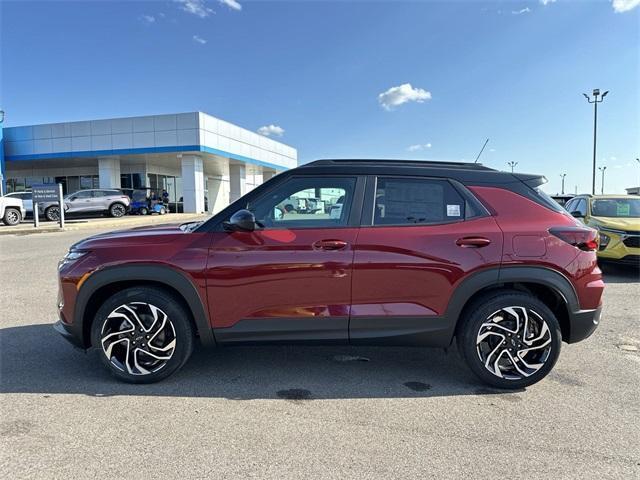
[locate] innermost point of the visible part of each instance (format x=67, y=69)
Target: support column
x=217, y=193
x=237, y=182
x=267, y=175
x=192, y=183
x=109, y=172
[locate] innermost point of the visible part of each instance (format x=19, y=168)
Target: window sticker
x=623, y=209
x=453, y=210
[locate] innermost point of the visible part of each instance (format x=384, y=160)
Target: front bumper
x=66, y=332
x=583, y=323
x=621, y=247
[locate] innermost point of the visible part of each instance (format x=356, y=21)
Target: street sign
x=44, y=193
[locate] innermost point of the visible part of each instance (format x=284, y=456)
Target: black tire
x=12, y=216
x=162, y=211
x=117, y=210
x=477, y=346
x=177, y=328
x=52, y=213
x=143, y=211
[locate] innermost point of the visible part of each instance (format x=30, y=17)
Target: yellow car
x=617, y=218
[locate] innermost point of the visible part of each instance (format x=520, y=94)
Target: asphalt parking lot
x=306, y=412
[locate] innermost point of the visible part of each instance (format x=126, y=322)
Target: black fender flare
x=508, y=274
x=168, y=276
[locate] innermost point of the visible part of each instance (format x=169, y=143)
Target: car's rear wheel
x=143, y=334
x=12, y=216
x=509, y=339
x=52, y=213
x=117, y=210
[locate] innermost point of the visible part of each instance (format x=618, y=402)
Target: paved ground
x=285, y=412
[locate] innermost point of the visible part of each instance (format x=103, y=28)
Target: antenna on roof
x=481, y=150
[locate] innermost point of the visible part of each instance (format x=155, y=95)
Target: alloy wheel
x=138, y=338
x=118, y=210
x=53, y=214
x=11, y=216
x=514, y=342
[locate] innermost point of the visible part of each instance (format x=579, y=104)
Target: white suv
x=11, y=210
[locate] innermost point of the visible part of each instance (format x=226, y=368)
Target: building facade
x=202, y=162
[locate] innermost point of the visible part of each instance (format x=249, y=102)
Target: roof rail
x=416, y=163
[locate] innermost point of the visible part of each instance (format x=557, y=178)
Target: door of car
x=81, y=201
x=421, y=238
x=290, y=279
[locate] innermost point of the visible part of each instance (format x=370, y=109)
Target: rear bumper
x=583, y=323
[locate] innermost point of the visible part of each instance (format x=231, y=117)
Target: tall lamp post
x=562, y=175
x=512, y=164
x=602, y=169
x=595, y=101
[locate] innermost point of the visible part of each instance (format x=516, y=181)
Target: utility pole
x=562, y=175
x=512, y=164
x=602, y=169
x=595, y=101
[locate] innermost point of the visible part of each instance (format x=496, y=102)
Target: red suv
x=361, y=252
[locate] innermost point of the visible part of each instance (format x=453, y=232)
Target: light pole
x=595, y=101
x=512, y=164
x=602, y=169
x=562, y=175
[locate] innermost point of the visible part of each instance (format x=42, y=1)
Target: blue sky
x=428, y=80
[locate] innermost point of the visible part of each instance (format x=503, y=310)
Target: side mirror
x=577, y=214
x=241, y=221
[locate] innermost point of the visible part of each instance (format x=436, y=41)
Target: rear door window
x=410, y=201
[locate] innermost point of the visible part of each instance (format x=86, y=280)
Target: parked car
x=562, y=199
x=12, y=210
x=617, y=219
x=110, y=201
x=26, y=200
x=420, y=254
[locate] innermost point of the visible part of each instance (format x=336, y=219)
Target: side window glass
x=569, y=205
x=582, y=207
x=406, y=201
x=306, y=202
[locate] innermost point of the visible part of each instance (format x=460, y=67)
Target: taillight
x=584, y=238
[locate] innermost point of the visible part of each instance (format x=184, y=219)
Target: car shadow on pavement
x=616, y=273
x=35, y=360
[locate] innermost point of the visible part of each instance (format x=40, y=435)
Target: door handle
x=329, y=245
x=473, y=242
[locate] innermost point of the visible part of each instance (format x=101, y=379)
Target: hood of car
x=156, y=235
x=616, y=223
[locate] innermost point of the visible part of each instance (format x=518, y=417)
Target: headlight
x=604, y=240
x=71, y=257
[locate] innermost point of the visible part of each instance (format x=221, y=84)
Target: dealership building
x=202, y=162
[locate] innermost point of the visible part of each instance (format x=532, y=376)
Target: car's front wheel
x=509, y=339
x=12, y=216
x=143, y=334
x=52, y=213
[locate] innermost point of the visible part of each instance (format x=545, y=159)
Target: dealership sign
x=44, y=193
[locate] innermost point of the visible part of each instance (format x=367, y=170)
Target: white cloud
x=195, y=7
x=621, y=6
x=233, y=4
x=148, y=19
x=199, y=40
x=547, y=2
x=269, y=130
x=402, y=94
x=418, y=147
x=520, y=12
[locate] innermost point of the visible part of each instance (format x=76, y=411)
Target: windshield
x=616, y=207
